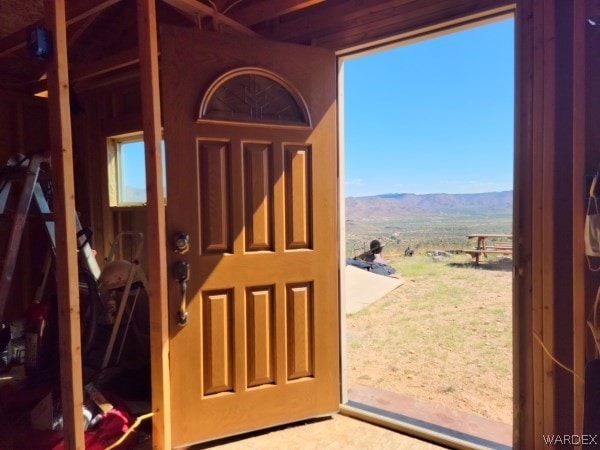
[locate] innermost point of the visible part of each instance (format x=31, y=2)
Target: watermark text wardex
x=571, y=439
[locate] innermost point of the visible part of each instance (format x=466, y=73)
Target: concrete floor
x=336, y=432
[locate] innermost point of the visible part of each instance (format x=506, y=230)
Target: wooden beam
x=195, y=8
x=40, y=85
x=15, y=41
x=80, y=29
x=524, y=436
x=541, y=319
x=156, y=226
x=61, y=150
x=83, y=72
x=251, y=13
x=348, y=44
x=330, y=17
x=117, y=61
x=544, y=198
x=16, y=95
x=81, y=10
x=365, y=18
x=578, y=212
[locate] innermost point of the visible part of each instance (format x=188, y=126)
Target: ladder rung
x=46, y=217
x=13, y=173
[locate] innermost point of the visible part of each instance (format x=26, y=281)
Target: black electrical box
x=39, y=43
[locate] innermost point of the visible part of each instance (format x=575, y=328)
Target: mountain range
x=402, y=205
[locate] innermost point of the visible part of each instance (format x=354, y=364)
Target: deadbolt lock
x=181, y=243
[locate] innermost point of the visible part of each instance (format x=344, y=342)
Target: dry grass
x=444, y=336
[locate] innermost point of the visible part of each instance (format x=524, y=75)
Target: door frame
x=542, y=305
x=408, y=39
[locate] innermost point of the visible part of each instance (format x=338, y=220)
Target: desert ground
x=445, y=335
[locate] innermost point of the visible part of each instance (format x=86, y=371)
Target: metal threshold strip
x=418, y=428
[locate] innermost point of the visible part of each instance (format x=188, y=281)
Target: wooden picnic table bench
x=490, y=243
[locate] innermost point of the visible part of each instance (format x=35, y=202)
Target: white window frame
x=116, y=182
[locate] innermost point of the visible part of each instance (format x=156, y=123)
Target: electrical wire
x=231, y=6
x=557, y=362
x=131, y=428
x=591, y=212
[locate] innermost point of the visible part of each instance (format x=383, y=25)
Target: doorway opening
x=428, y=163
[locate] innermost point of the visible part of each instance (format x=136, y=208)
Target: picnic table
x=490, y=243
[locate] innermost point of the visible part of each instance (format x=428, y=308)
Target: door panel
x=258, y=199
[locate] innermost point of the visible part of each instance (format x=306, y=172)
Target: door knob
x=181, y=242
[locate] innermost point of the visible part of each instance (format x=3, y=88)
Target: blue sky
x=434, y=116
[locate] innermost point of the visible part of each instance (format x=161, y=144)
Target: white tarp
x=364, y=287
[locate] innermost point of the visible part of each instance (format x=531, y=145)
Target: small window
x=127, y=170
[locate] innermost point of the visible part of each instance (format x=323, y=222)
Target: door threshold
x=427, y=421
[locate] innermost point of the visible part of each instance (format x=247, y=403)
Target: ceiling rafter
x=15, y=41
x=360, y=21
x=257, y=11
x=111, y=63
x=80, y=30
x=196, y=8
x=81, y=10
x=317, y=21
x=388, y=32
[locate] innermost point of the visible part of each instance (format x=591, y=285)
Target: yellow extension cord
x=131, y=428
x=555, y=360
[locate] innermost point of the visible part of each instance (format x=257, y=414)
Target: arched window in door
x=253, y=95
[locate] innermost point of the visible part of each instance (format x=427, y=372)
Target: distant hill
x=133, y=194
x=389, y=206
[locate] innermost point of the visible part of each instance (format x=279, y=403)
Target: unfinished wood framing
x=155, y=231
x=522, y=283
x=196, y=8
x=542, y=63
x=431, y=30
x=64, y=216
x=380, y=21
x=348, y=27
x=81, y=11
x=579, y=269
x=535, y=411
x=261, y=10
x=543, y=194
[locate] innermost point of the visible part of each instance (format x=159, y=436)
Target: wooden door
x=250, y=134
